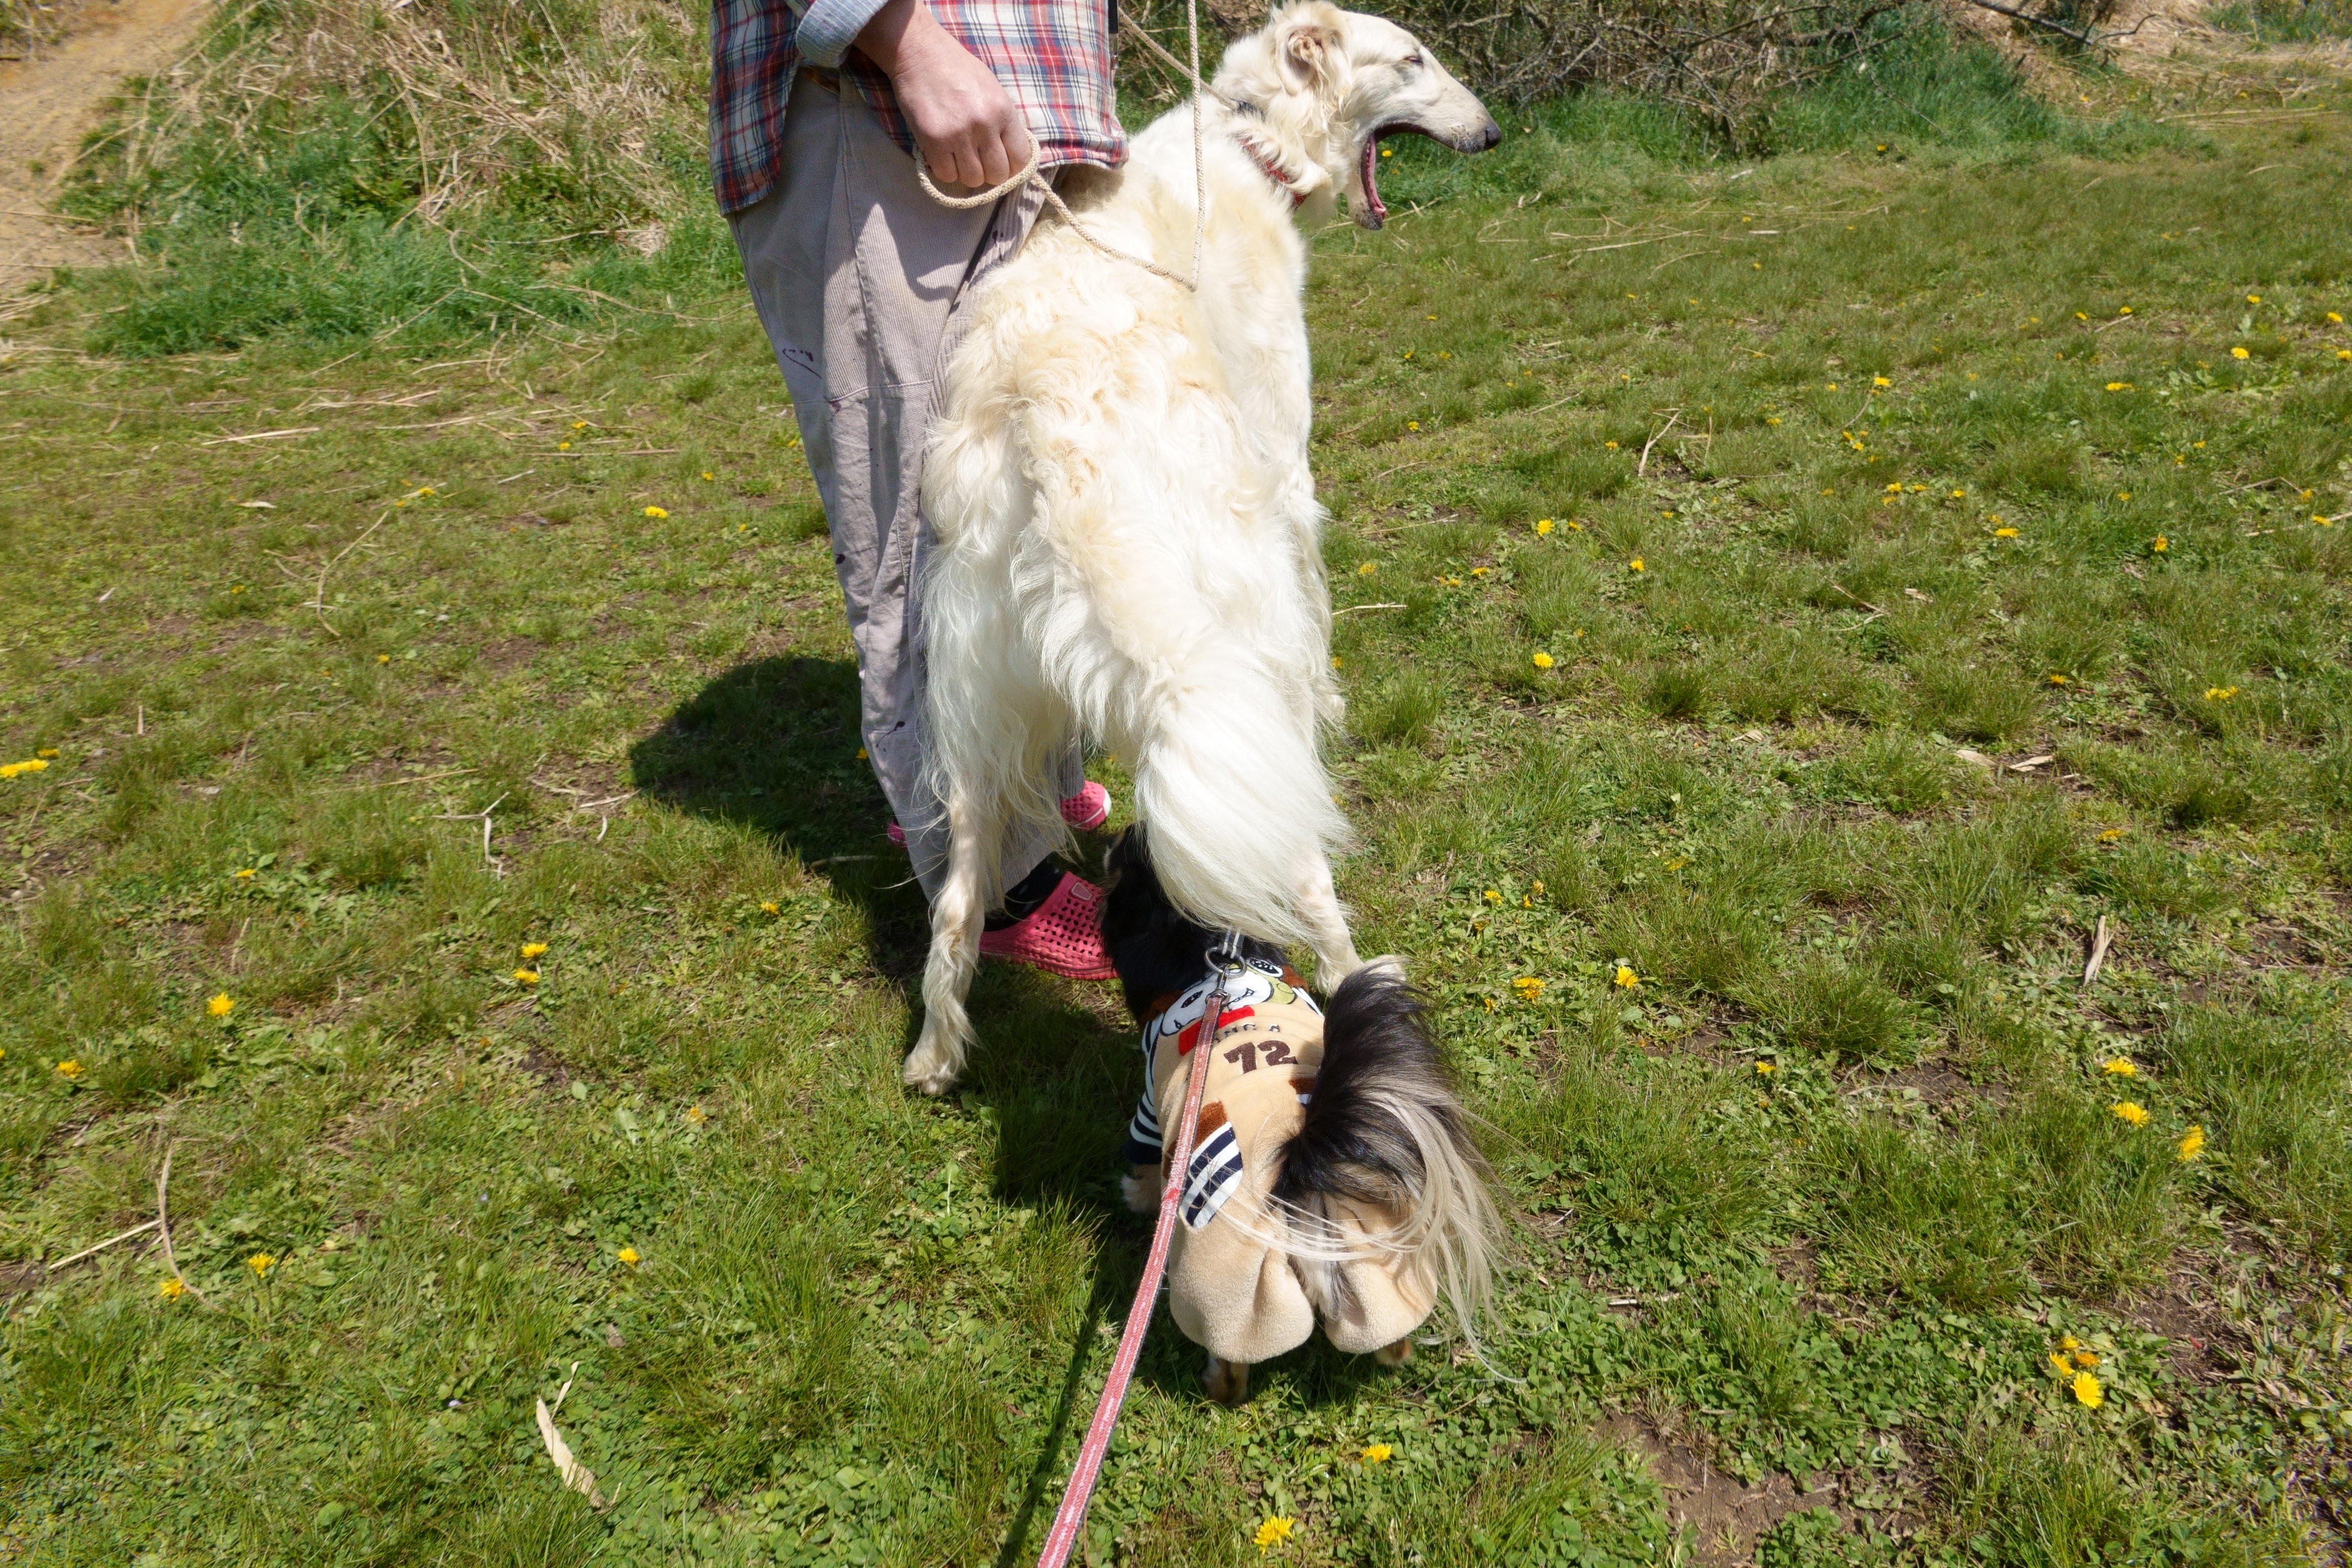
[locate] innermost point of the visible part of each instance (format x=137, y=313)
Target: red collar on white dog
x=1273, y=171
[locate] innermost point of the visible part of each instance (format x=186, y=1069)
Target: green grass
x=1812, y=1203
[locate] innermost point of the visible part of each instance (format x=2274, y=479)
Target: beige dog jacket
x=1233, y=1289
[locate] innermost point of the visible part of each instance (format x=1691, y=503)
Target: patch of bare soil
x=48, y=101
x=1721, y=1517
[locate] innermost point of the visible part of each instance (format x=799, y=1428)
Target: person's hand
x=966, y=128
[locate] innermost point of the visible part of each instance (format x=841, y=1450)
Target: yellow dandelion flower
x=1574, y=527
x=628, y=1255
x=708, y=475
x=1528, y=987
x=1492, y=896
x=527, y=976
x=579, y=425
x=2159, y=544
x=1377, y=1453
x=2219, y=694
x=2344, y=353
x=861, y=754
x=2068, y=1342
x=2192, y=1143
x=1829, y=386
x=534, y=949
x=656, y=512
x=1480, y=570
x=2130, y=1112
x=2120, y=1067
x=2058, y=680
x=2110, y=835
x=1768, y=1068
x=770, y=907
x=563, y=447
x=45, y=753
x=172, y=1289
x=260, y=1264
x=2004, y=533
x=30, y=765
x=2253, y=299
x=1335, y=661
x=2336, y=318
x=1543, y=661
x=1276, y=1529
x=2087, y=1391
x=697, y=1114
x=221, y=1006
x=383, y=658
x=2125, y=311
x=2060, y=1364
x=1960, y=494
x=1412, y=425
x=69, y=1070
x=2119, y=386
x=1626, y=979
x=247, y=874
x=2080, y=316
x=1369, y=568
x=1880, y=382
x=1636, y=565
x=1771, y=419
x=2239, y=354
x=1543, y=525
x=2086, y=1358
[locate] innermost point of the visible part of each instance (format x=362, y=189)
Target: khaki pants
x=858, y=275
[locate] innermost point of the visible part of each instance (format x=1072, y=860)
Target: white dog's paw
x=1395, y=1355
x=930, y=1070
x=1142, y=1190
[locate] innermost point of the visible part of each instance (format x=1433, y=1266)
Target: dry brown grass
x=577, y=95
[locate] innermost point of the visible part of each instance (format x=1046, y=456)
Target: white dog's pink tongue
x=1372, y=185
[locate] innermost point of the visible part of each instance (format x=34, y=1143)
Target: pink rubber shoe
x=1088, y=809
x=1063, y=935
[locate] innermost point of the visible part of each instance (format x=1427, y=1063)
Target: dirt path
x=46, y=105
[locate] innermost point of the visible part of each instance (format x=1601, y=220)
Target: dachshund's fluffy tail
x=1384, y=1131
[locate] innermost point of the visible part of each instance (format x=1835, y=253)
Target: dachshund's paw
x=1228, y=1381
x=1395, y=1355
x=1141, y=1189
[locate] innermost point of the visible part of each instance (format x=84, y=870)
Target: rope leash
x=1063, y=1535
x=1029, y=171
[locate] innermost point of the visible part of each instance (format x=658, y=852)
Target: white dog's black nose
x=1478, y=140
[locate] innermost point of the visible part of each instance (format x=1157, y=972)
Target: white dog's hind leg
x=957, y=916
x=1326, y=920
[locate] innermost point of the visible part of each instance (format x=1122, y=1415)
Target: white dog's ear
x=1307, y=49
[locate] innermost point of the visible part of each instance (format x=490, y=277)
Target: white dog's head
x=1334, y=82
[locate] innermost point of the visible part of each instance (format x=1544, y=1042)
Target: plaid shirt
x=1053, y=55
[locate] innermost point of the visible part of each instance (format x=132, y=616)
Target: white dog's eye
x=1411, y=61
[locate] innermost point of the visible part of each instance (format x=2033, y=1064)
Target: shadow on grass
x=772, y=746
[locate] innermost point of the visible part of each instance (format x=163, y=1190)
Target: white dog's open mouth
x=1373, y=213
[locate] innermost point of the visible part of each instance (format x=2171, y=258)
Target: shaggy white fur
x=1128, y=548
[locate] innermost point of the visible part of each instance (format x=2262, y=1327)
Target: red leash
x=1073, y=1511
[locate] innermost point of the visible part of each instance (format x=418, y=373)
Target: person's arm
x=968, y=129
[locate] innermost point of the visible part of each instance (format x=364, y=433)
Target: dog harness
x=1271, y=1019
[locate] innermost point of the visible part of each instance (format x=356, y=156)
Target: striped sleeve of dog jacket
x=1052, y=56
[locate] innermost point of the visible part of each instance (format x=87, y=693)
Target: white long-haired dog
x=1128, y=544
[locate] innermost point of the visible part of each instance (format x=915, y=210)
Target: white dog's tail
x=1229, y=778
